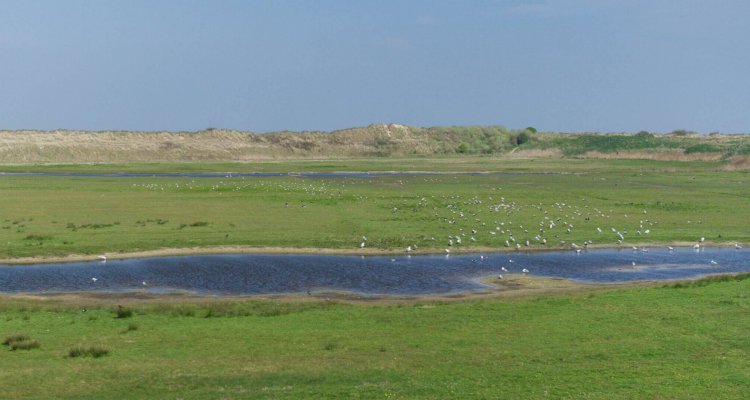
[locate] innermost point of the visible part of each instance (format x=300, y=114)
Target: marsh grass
x=91, y=351
x=20, y=341
x=16, y=337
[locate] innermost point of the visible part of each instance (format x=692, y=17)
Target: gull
x=93, y=279
x=697, y=246
x=362, y=245
x=670, y=248
x=714, y=262
x=499, y=277
x=737, y=246
x=102, y=258
x=525, y=271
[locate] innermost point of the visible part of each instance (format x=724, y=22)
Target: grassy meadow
x=677, y=340
x=549, y=203
x=681, y=341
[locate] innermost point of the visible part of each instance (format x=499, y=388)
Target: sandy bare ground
x=82, y=147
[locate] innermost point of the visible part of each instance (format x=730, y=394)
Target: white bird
x=408, y=249
x=503, y=269
x=499, y=277
x=702, y=239
x=697, y=246
x=633, y=263
x=714, y=262
x=525, y=271
x=362, y=245
x=670, y=248
x=93, y=279
x=737, y=246
x=143, y=283
x=102, y=258
x=447, y=250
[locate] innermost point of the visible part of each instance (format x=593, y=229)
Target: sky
x=557, y=65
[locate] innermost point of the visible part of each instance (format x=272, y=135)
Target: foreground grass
x=648, y=201
x=684, y=341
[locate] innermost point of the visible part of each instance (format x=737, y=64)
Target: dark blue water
x=381, y=275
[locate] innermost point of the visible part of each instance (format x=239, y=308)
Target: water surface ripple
x=248, y=274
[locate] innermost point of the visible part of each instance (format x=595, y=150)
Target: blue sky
x=558, y=65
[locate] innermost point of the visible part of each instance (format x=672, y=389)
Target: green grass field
x=684, y=342
x=559, y=202
x=681, y=341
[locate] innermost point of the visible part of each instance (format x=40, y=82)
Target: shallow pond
x=247, y=274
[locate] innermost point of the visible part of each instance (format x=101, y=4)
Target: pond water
x=248, y=274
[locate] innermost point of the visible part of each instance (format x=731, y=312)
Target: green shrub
x=523, y=137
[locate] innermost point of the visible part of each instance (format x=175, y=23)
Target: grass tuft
x=92, y=351
x=20, y=341
x=122, y=312
x=25, y=345
x=16, y=337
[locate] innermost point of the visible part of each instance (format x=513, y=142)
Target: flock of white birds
x=489, y=221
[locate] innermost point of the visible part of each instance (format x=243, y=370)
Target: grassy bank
x=677, y=341
x=548, y=203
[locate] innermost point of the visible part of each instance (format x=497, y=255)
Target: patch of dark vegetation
x=194, y=224
x=38, y=237
x=577, y=145
x=122, y=312
x=20, y=341
x=702, y=148
x=75, y=227
x=91, y=351
x=708, y=281
x=157, y=221
x=130, y=328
